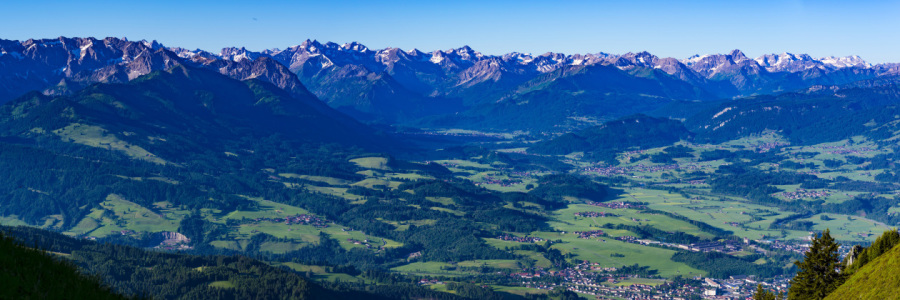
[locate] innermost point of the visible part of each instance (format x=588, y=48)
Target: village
x=617, y=205
x=519, y=239
x=595, y=214
x=604, y=283
x=609, y=171
x=804, y=194
x=301, y=219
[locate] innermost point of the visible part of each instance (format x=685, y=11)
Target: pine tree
x=882, y=244
x=819, y=272
x=763, y=294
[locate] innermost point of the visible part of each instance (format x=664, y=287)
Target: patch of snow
x=83, y=49
x=722, y=112
x=17, y=55
x=694, y=59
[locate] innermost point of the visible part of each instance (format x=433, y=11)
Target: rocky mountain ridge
x=444, y=88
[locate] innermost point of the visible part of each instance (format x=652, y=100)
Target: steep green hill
x=26, y=273
x=633, y=132
x=135, y=271
x=196, y=131
x=876, y=280
x=810, y=117
x=574, y=97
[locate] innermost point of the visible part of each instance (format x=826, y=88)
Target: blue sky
x=678, y=29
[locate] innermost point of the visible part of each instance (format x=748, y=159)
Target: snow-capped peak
x=153, y=45
x=237, y=55
x=844, y=62
x=354, y=46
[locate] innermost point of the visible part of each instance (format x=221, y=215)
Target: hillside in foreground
x=876, y=280
x=31, y=274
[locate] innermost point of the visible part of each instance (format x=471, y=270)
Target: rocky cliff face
x=394, y=85
x=58, y=66
x=173, y=238
x=64, y=65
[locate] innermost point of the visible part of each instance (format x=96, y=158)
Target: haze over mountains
x=458, y=88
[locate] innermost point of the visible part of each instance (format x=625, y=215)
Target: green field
x=442, y=268
x=567, y=221
x=601, y=250
x=117, y=214
x=95, y=136
x=377, y=163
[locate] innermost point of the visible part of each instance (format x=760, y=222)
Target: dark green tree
x=820, y=271
x=882, y=244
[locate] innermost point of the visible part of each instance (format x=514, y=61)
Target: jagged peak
x=466, y=52
x=154, y=45
x=414, y=52
x=737, y=54
x=355, y=46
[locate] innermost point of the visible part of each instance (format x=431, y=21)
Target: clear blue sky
x=678, y=29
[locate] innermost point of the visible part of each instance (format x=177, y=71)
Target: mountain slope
x=428, y=89
x=160, y=275
x=813, y=116
x=638, y=131
x=876, y=280
x=62, y=65
x=32, y=274
x=576, y=97
x=396, y=86
x=193, y=106
x=207, y=134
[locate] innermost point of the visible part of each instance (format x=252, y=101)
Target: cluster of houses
x=590, y=234
x=740, y=287
x=765, y=147
x=640, y=168
x=501, y=182
x=369, y=244
x=593, y=279
x=805, y=194
x=595, y=214
x=302, y=219
x=520, y=239
x=617, y=205
x=727, y=246
x=844, y=150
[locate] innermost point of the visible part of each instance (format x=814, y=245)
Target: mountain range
x=456, y=88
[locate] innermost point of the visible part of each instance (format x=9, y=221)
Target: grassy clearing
x=442, y=268
x=447, y=210
x=633, y=281
x=567, y=221
x=267, y=209
x=404, y=225
x=95, y=136
x=12, y=220
x=715, y=212
x=117, y=214
x=307, y=234
x=848, y=228
x=441, y=200
x=322, y=179
x=334, y=191
x=280, y=247
x=518, y=290
x=318, y=272
x=601, y=251
x=222, y=284
x=459, y=163
x=377, y=163
x=376, y=183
